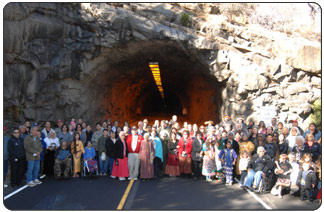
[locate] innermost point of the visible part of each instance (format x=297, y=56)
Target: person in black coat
x=17, y=158
x=120, y=168
x=165, y=141
x=306, y=181
x=196, y=156
x=234, y=143
x=110, y=150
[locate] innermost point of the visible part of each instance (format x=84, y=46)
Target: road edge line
x=20, y=189
x=265, y=205
x=124, y=198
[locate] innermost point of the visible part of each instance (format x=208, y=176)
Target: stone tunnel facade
x=70, y=60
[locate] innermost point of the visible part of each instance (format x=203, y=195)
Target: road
x=104, y=193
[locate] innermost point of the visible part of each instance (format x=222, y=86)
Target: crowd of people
x=286, y=159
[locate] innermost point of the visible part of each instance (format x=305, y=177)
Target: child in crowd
x=208, y=169
x=283, y=171
x=306, y=181
x=294, y=174
x=219, y=146
x=244, y=160
x=228, y=157
x=73, y=123
x=307, y=158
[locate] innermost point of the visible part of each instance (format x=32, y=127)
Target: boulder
x=296, y=88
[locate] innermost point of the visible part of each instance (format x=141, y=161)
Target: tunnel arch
x=122, y=82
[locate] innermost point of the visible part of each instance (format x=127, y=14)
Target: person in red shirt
x=185, y=147
x=133, y=145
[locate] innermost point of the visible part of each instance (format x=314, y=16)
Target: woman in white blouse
x=52, y=143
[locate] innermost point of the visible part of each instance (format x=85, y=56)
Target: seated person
x=63, y=159
x=88, y=158
x=283, y=171
x=258, y=166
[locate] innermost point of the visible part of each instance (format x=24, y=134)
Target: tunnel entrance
x=154, y=104
x=125, y=89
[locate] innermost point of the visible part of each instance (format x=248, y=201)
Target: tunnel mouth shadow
x=126, y=90
x=155, y=105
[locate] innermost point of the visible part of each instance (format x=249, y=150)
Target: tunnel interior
x=155, y=104
x=124, y=87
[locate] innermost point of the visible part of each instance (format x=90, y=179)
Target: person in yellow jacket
x=245, y=145
x=77, y=150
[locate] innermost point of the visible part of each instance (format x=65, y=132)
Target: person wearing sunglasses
x=17, y=158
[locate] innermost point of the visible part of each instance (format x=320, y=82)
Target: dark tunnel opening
x=154, y=104
x=127, y=90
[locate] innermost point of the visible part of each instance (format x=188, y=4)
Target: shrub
x=316, y=116
x=185, y=20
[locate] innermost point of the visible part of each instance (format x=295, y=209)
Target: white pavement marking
x=20, y=189
x=257, y=198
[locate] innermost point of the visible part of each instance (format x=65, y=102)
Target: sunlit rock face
x=70, y=60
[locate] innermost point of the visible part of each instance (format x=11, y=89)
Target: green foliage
x=185, y=20
x=316, y=116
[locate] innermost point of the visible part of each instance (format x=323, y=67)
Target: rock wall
x=62, y=60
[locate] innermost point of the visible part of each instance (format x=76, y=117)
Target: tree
x=316, y=116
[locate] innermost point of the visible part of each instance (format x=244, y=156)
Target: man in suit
x=196, y=156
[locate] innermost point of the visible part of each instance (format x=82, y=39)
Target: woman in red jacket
x=185, y=147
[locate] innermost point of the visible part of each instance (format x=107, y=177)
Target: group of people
x=221, y=152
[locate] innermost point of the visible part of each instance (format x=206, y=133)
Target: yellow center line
x=124, y=198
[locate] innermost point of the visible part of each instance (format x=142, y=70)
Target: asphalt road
x=100, y=193
x=104, y=193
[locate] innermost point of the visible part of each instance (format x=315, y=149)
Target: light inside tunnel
x=154, y=66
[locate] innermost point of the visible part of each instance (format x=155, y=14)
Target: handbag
x=103, y=156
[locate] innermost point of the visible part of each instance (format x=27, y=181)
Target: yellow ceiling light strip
x=155, y=69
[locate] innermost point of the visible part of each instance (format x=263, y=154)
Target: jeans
x=250, y=177
x=157, y=164
x=103, y=165
x=111, y=164
x=33, y=167
x=243, y=175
